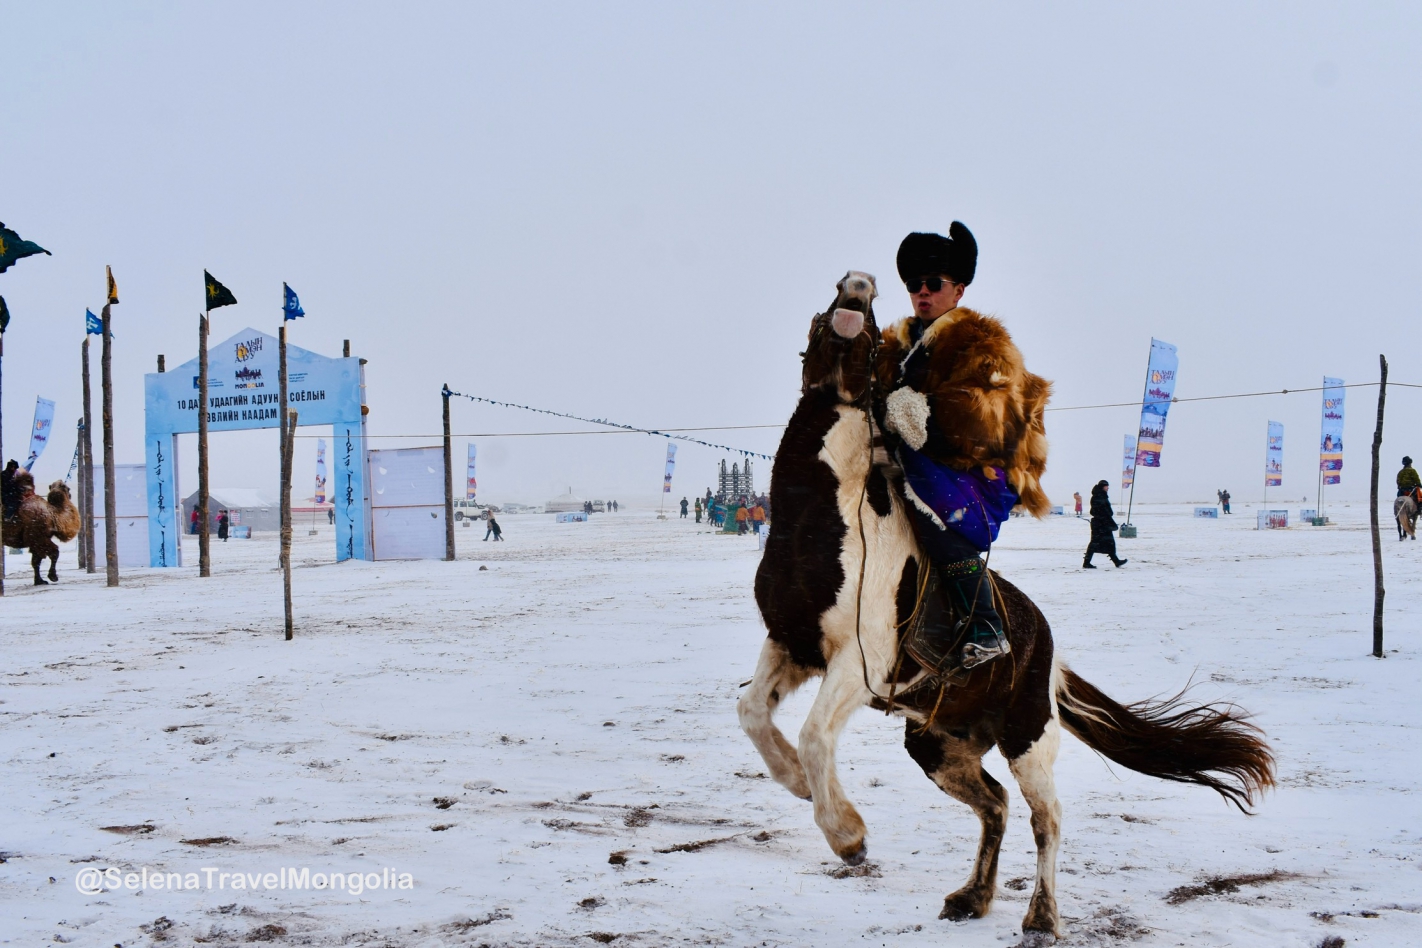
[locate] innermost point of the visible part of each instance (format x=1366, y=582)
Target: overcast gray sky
x=632, y=211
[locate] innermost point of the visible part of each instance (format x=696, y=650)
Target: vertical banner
x=1159, y=390
x=1128, y=464
x=671, y=465
x=320, y=495
x=40, y=432
x=471, y=485
x=1274, y=455
x=1330, y=452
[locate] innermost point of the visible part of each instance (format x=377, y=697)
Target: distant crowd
x=750, y=513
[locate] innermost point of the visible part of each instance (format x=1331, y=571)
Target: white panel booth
x=407, y=503
x=131, y=505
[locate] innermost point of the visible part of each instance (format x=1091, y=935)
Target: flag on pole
x=12, y=248
x=1274, y=456
x=4, y=315
x=290, y=305
x=113, y=287
x=471, y=486
x=1160, y=391
x=93, y=325
x=1330, y=452
x=1128, y=464
x=39, y=433
x=217, y=294
x=320, y=495
x=671, y=465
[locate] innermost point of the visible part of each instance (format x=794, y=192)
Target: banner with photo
x=1330, y=452
x=320, y=495
x=471, y=486
x=671, y=465
x=1160, y=389
x=1274, y=455
x=1128, y=464
x=40, y=431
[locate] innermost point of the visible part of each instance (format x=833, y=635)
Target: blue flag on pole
x=93, y=325
x=291, y=306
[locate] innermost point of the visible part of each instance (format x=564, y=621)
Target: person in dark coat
x=222, y=521
x=1103, y=527
x=11, y=491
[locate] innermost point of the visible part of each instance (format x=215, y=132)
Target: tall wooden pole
x=204, y=550
x=2, y=459
x=286, y=515
x=106, y=381
x=86, y=463
x=448, y=484
x=1378, y=591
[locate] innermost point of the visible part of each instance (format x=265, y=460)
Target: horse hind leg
x=1033, y=771
x=776, y=676
x=956, y=767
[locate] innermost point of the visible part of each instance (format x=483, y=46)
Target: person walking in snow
x=222, y=521
x=1224, y=501
x=1076, y=496
x=684, y=507
x=1103, y=527
x=494, y=526
x=697, y=508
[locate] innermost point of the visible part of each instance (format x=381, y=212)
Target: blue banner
x=1274, y=455
x=1128, y=464
x=93, y=325
x=1159, y=391
x=471, y=486
x=40, y=430
x=320, y=495
x=1330, y=452
x=671, y=465
x=290, y=305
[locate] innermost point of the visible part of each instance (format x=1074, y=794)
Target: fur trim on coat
x=983, y=402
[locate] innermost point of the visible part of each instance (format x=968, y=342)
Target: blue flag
x=93, y=325
x=291, y=306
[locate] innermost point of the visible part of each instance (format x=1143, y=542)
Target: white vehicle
x=471, y=510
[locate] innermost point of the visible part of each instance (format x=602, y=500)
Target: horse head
x=840, y=353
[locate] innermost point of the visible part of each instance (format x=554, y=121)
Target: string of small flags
x=612, y=424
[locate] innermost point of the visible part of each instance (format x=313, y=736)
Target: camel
x=841, y=578
x=40, y=521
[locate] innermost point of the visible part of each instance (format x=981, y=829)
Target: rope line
x=655, y=432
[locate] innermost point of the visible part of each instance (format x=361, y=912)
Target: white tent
x=250, y=508
x=564, y=503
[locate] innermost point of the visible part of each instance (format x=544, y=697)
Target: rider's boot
x=969, y=633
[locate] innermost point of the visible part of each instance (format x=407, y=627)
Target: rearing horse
x=839, y=582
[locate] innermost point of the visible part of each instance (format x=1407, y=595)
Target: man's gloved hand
x=906, y=414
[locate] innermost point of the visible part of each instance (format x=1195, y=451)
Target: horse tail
x=1213, y=745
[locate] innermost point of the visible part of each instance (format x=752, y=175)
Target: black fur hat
x=956, y=255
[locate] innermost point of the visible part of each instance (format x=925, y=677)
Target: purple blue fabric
x=968, y=502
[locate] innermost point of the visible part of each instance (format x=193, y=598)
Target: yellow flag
x=113, y=287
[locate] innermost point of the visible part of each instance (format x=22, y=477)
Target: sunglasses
x=934, y=284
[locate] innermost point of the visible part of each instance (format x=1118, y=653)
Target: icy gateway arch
x=243, y=391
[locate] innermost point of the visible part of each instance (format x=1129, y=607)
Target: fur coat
x=967, y=400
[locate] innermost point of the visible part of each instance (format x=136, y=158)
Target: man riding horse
x=964, y=422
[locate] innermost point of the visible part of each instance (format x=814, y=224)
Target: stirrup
x=980, y=653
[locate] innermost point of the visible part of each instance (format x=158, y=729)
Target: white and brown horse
x=1404, y=511
x=838, y=582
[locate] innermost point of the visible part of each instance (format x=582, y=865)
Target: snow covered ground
x=549, y=748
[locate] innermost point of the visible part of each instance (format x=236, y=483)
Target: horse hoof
x=857, y=857
x=1037, y=940
x=961, y=906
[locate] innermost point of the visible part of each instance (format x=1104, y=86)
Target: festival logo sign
x=1274, y=455
x=1159, y=392
x=1128, y=464
x=471, y=486
x=1330, y=452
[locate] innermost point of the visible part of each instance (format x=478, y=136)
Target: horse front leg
x=1033, y=771
x=841, y=693
x=776, y=676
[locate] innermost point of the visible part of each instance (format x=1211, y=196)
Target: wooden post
x=2, y=461
x=106, y=382
x=290, y=421
x=86, y=491
x=204, y=552
x=346, y=349
x=448, y=483
x=1378, y=591
x=79, y=490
